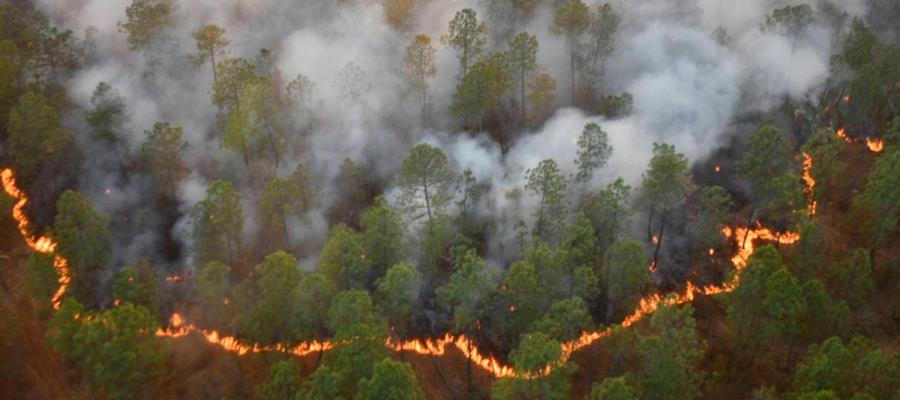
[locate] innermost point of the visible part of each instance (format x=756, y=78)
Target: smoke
x=688, y=91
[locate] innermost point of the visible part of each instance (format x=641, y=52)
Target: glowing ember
x=654, y=239
x=712, y=251
x=846, y=98
x=108, y=191
x=40, y=244
x=174, y=278
x=718, y=169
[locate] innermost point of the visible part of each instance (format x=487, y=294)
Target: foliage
x=593, y=152
x=391, y=380
x=382, y=236
x=116, y=349
x=549, y=185
x=36, y=136
x=218, y=224
x=265, y=306
x=147, y=21
x=344, y=260
x=283, y=382
x=163, y=151
x=467, y=36
x=397, y=294
x=83, y=237
x=424, y=180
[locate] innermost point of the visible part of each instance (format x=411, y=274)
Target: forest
x=450, y=199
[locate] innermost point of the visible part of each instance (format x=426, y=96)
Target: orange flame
x=647, y=305
x=718, y=169
x=876, y=145
x=810, y=182
x=40, y=244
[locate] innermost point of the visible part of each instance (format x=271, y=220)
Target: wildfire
x=810, y=182
x=178, y=327
x=40, y=244
x=875, y=145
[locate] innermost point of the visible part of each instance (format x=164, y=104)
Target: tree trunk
x=662, y=229
x=212, y=59
x=650, y=224
x=572, y=67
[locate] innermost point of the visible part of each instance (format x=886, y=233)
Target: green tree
x=766, y=157
x=163, y=151
x=43, y=281
x=482, y=89
x=391, y=380
x=566, y=320
x=580, y=249
x=382, y=236
x=213, y=288
x=218, y=223
x=108, y=116
x=785, y=305
x=626, y=276
x=593, y=152
x=36, y=136
x=314, y=294
x=397, y=293
x=265, y=307
x=344, y=259
x=607, y=211
x=541, y=97
x=713, y=206
x=352, y=195
x=147, y=21
x=527, y=299
x=281, y=200
x=670, y=358
x=467, y=36
x=139, y=286
x=572, y=18
x=323, y=384
x=52, y=54
x=858, y=367
x=522, y=58
x=744, y=312
x=470, y=284
x=535, y=355
x=549, y=185
x=418, y=67
x=613, y=389
x=665, y=185
x=232, y=74
x=822, y=149
x=851, y=280
x=83, y=239
x=601, y=41
x=351, y=307
x=12, y=66
x=116, y=350
x=211, y=42
x=878, y=206
x=785, y=204
x=283, y=382
x=424, y=180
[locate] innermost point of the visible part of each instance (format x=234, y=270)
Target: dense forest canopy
x=409, y=199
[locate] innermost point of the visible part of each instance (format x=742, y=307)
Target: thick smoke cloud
x=688, y=90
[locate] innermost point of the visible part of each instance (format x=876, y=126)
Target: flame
x=174, y=278
x=654, y=239
x=810, y=182
x=712, y=251
x=876, y=145
x=178, y=327
x=40, y=244
x=718, y=169
x=846, y=98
